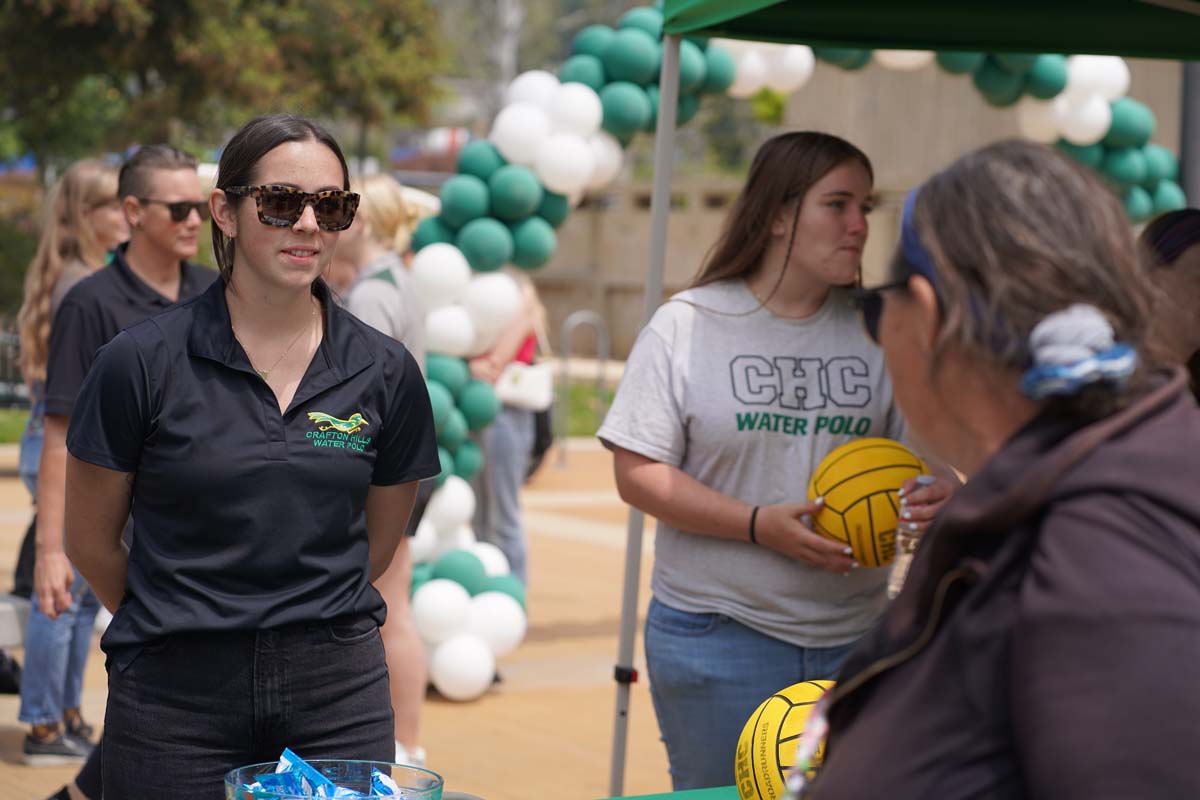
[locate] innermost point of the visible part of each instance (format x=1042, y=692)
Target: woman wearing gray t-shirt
x=734, y=392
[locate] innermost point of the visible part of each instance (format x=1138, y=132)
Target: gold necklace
x=265, y=373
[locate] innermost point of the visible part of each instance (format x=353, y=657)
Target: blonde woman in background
x=370, y=266
x=84, y=222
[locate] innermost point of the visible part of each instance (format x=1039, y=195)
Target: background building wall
x=909, y=123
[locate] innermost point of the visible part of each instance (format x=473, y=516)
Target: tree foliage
x=77, y=74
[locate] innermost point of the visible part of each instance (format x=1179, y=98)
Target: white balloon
x=1082, y=121
x=452, y=505
x=1106, y=75
x=440, y=273
x=790, y=67
x=536, y=87
x=493, y=558
x=461, y=668
x=499, y=620
x=904, y=60
x=519, y=131
x=576, y=109
x=449, y=331
x=608, y=157
x=424, y=542
x=565, y=163
x=493, y=300
x=463, y=538
x=441, y=609
x=751, y=75
x=1038, y=119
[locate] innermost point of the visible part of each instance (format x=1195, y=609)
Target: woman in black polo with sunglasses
x=734, y=392
x=270, y=445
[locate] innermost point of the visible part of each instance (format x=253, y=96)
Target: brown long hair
x=1018, y=231
x=784, y=169
x=66, y=236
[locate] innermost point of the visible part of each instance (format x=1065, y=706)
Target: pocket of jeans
x=353, y=631
x=681, y=623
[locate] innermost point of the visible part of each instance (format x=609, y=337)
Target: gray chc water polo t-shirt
x=749, y=405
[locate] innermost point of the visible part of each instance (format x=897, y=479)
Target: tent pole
x=660, y=207
x=1189, y=138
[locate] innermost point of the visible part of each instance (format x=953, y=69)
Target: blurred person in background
x=371, y=256
x=83, y=224
x=163, y=203
x=1171, y=244
x=508, y=443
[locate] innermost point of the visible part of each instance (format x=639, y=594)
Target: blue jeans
x=707, y=675
x=56, y=650
x=508, y=443
x=192, y=706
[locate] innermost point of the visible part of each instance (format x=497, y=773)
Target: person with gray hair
x=1044, y=643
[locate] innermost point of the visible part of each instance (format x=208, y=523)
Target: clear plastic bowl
x=415, y=783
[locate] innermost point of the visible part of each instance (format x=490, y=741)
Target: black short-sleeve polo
x=243, y=517
x=95, y=310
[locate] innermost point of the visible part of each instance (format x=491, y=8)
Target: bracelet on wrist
x=753, y=519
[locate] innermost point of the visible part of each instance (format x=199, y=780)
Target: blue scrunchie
x=1074, y=348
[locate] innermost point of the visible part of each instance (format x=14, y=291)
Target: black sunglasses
x=181, y=209
x=870, y=305
x=282, y=206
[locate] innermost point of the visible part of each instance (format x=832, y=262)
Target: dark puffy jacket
x=1047, y=643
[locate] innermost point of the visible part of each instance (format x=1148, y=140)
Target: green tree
x=193, y=68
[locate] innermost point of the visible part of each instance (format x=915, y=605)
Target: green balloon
x=446, y=461
x=421, y=575
x=844, y=57
x=960, y=62
x=699, y=41
x=584, y=69
x=686, y=108
x=1160, y=163
x=464, y=568
x=464, y=198
x=431, y=230
x=533, y=243
x=1047, y=77
x=478, y=404
x=468, y=460
x=508, y=584
x=633, y=55
x=1168, y=196
x=480, y=158
x=516, y=192
x=555, y=208
x=1132, y=124
x=997, y=85
x=486, y=243
x=440, y=401
x=454, y=432
x=720, y=69
x=652, y=121
x=1016, y=63
x=626, y=108
x=1126, y=165
x=693, y=68
x=451, y=372
x=1090, y=155
x=644, y=18
x=625, y=139
x=1139, y=205
x=592, y=41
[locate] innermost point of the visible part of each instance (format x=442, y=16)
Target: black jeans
x=191, y=707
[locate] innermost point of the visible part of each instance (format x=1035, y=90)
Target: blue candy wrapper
x=295, y=777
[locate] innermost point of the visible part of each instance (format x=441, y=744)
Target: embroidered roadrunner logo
x=327, y=422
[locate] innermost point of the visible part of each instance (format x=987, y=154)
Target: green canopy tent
x=1141, y=28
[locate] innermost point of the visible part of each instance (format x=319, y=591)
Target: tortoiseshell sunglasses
x=282, y=206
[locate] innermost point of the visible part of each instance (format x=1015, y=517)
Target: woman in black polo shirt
x=270, y=446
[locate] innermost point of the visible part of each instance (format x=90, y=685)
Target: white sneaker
x=413, y=758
